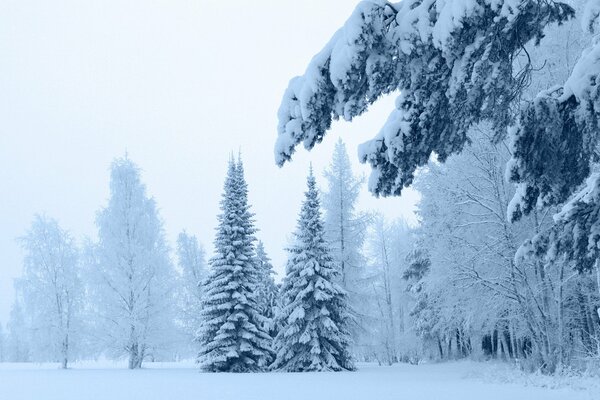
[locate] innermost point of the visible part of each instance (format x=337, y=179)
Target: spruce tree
x=267, y=289
x=232, y=336
x=314, y=315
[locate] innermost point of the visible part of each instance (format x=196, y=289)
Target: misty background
x=178, y=85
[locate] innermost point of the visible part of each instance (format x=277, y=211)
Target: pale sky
x=176, y=84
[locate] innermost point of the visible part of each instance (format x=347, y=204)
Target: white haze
x=179, y=85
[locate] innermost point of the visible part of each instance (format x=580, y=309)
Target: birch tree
x=51, y=288
x=194, y=270
x=132, y=279
x=474, y=267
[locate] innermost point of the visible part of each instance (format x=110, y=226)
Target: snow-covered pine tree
x=232, y=336
x=314, y=316
x=267, y=289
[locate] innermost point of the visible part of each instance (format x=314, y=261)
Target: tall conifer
x=314, y=315
x=231, y=335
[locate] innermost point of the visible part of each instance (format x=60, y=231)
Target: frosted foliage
x=452, y=62
x=390, y=334
x=232, y=335
x=52, y=290
x=193, y=268
x=345, y=228
x=132, y=281
x=18, y=346
x=345, y=232
x=313, y=316
x=476, y=286
x=591, y=12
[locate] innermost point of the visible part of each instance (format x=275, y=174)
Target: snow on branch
x=555, y=139
x=575, y=236
x=451, y=61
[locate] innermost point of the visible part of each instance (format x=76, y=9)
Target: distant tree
x=17, y=334
x=192, y=263
x=345, y=232
x=345, y=228
x=3, y=344
x=267, y=289
x=133, y=277
x=388, y=245
x=51, y=287
x=232, y=334
x=314, y=312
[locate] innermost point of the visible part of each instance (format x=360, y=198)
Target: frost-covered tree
x=132, y=277
x=471, y=247
x=345, y=228
x=192, y=264
x=388, y=325
x=51, y=288
x=232, y=333
x=531, y=311
x=314, y=312
x=17, y=343
x=345, y=232
x=267, y=289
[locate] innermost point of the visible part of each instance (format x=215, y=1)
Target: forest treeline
x=448, y=288
x=496, y=123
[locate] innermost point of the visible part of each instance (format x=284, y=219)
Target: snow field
x=182, y=381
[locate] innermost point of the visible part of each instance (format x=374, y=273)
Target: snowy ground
x=182, y=381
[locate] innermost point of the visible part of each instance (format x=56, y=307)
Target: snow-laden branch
x=452, y=62
x=555, y=139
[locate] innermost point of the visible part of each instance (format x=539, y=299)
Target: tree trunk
x=65, y=352
x=441, y=350
x=133, y=356
x=505, y=348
